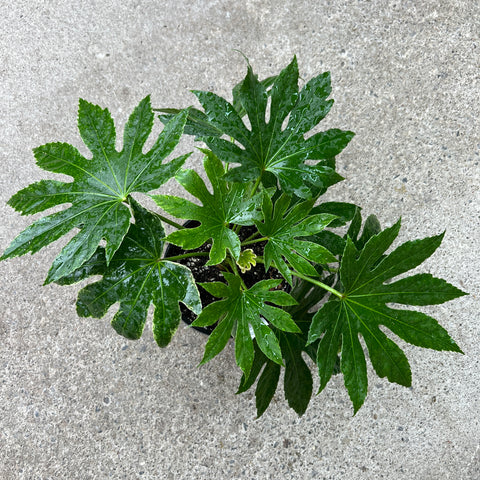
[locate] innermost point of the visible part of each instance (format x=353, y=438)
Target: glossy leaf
x=344, y=212
x=259, y=361
x=136, y=277
x=331, y=241
x=298, y=382
x=364, y=307
x=266, y=148
x=251, y=313
x=282, y=227
x=100, y=188
x=371, y=227
x=228, y=204
x=266, y=386
x=197, y=122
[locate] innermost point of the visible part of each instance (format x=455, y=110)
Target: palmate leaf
x=100, y=188
x=228, y=204
x=345, y=212
x=282, y=226
x=197, y=122
x=267, y=149
x=268, y=382
x=246, y=312
x=136, y=277
x=363, y=308
x=297, y=382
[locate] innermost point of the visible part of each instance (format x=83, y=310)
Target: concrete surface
x=79, y=402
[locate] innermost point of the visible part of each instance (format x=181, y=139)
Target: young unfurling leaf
x=246, y=260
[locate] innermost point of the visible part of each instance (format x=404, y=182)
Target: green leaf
x=197, y=122
x=364, y=307
x=331, y=241
x=267, y=83
x=100, y=188
x=266, y=149
x=228, y=204
x=250, y=312
x=307, y=295
x=343, y=211
x=136, y=277
x=266, y=387
x=371, y=227
x=282, y=226
x=298, y=382
x=259, y=361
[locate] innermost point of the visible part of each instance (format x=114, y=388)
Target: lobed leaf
x=247, y=310
x=100, y=188
x=136, y=277
x=282, y=226
x=227, y=204
x=363, y=308
x=266, y=149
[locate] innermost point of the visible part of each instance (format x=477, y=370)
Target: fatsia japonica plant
x=260, y=261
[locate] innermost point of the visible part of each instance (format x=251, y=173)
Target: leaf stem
x=233, y=266
x=252, y=236
x=187, y=255
x=257, y=183
x=319, y=284
x=170, y=222
x=256, y=240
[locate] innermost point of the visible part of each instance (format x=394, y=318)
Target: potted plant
x=264, y=262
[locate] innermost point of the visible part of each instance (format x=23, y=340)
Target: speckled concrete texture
x=79, y=402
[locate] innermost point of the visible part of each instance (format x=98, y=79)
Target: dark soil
x=201, y=273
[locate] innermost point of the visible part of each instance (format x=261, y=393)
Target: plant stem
x=170, y=222
x=233, y=266
x=249, y=242
x=161, y=217
x=257, y=183
x=187, y=255
x=319, y=284
x=252, y=236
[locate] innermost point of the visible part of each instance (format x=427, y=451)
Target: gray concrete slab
x=79, y=402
